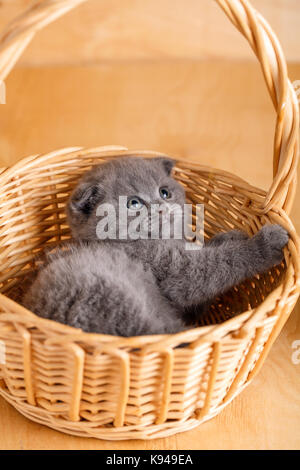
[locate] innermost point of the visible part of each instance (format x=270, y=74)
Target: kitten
x=131, y=287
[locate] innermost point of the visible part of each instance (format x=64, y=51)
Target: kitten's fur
x=128, y=288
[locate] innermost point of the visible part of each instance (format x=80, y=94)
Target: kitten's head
x=123, y=194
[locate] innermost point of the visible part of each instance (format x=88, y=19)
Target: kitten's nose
x=163, y=209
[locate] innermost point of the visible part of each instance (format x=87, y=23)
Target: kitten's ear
x=167, y=164
x=84, y=198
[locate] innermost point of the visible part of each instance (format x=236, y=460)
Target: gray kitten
x=134, y=287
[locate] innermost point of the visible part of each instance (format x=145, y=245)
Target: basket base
x=81, y=429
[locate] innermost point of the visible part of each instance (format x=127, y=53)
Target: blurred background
x=166, y=75
x=160, y=29
x=173, y=76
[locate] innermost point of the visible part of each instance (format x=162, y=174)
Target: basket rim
x=203, y=333
x=77, y=334
x=30, y=161
x=65, y=333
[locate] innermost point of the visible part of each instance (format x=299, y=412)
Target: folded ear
x=167, y=164
x=84, y=198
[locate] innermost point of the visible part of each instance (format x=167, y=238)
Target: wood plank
x=216, y=113
x=188, y=109
x=160, y=29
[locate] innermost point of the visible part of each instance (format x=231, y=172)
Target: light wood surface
x=215, y=113
x=118, y=30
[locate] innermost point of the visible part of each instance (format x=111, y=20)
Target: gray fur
x=126, y=287
x=90, y=288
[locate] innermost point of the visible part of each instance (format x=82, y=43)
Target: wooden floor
x=215, y=113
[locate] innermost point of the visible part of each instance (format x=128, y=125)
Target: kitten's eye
x=135, y=203
x=164, y=193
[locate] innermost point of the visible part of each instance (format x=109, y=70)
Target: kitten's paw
x=272, y=239
x=233, y=235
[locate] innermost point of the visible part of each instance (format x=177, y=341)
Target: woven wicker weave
x=152, y=386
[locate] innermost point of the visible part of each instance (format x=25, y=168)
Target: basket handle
x=264, y=44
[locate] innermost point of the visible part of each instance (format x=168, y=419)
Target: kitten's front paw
x=272, y=239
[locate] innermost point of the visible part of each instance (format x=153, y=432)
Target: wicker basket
x=151, y=386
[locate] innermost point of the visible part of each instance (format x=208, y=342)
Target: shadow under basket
x=150, y=386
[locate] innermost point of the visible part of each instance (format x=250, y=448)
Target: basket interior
x=32, y=219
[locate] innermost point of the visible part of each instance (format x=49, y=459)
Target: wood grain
x=181, y=108
x=138, y=29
